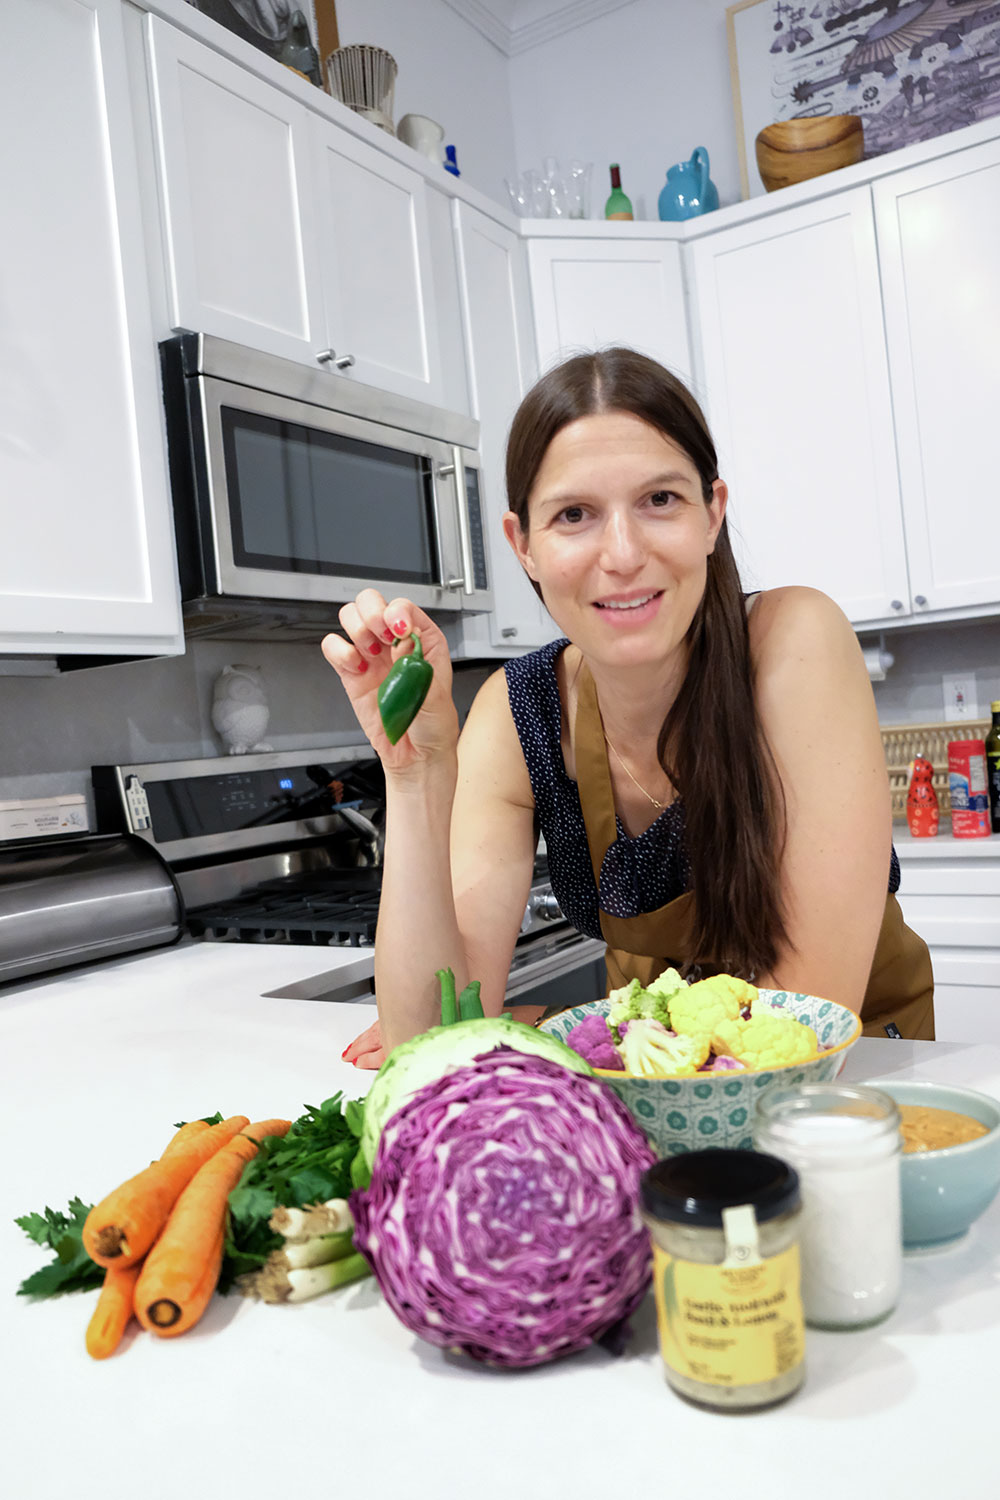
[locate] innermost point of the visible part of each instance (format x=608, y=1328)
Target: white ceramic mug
x=424, y=135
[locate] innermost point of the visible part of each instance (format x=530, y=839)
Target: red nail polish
x=401, y=628
x=388, y=637
x=345, y=1051
x=362, y=665
x=375, y=649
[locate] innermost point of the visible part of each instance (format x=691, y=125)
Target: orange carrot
x=184, y=1134
x=113, y=1311
x=181, y=1271
x=122, y=1227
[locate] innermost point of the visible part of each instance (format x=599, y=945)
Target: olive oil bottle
x=618, y=205
x=993, y=766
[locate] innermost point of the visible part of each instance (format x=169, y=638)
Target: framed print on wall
x=910, y=71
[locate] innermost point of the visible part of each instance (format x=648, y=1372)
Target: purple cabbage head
x=502, y=1218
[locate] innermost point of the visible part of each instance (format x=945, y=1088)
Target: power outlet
x=960, y=700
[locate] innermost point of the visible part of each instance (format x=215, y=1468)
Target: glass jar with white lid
x=844, y=1142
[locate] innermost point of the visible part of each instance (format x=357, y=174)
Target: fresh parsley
x=72, y=1270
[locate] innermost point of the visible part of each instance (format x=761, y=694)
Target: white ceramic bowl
x=716, y=1109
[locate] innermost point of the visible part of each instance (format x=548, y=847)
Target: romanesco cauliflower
x=698, y=1009
x=651, y=1051
x=765, y=1041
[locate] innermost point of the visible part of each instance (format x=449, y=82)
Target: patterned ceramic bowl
x=716, y=1109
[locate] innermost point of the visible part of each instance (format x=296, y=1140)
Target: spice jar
x=844, y=1143
x=724, y=1226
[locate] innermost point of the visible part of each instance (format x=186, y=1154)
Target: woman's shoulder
x=795, y=621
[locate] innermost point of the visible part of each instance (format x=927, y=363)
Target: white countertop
x=335, y=1396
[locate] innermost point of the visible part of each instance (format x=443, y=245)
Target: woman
x=710, y=763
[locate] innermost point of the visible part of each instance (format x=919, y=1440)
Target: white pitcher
x=424, y=135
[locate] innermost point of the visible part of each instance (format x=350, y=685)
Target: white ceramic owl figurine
x=239, y=709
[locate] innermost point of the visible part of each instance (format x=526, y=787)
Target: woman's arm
x=818, y=713
x=459, y=841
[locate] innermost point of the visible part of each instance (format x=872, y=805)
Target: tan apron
x=900, y=986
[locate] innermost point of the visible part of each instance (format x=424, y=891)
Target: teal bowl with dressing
x=945, y=1191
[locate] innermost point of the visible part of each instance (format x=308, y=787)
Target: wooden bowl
x=794, y=150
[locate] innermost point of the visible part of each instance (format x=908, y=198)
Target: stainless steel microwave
x=294, y=489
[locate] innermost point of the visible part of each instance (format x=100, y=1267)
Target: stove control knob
x=547, y=908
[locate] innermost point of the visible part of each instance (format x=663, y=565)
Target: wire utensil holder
x=364, y=78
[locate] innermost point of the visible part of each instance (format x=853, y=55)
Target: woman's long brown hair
x=711, y=743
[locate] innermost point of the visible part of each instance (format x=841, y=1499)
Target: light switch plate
x=960, y=699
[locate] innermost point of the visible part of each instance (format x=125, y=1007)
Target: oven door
x=298, y=502
x=555, y=968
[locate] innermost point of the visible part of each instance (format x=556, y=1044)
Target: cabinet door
x=794, y=376
x=591, y=293
x=87, y=563
x=939, y=232
x=376, y=265
x=501, y=365
x=239, y=226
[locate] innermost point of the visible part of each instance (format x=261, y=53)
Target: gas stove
x=287, y=848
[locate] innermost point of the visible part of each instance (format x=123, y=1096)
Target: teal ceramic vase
x=688, y=190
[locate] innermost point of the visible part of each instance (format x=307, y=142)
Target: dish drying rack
x=364, y=78
x=904, y=741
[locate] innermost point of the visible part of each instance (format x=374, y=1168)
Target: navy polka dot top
x=639, y=874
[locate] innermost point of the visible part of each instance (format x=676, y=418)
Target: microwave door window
x=308, y=501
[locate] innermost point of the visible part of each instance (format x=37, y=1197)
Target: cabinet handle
x=897, y=603
x=509, y=632
x=331, y=357
x=920, y=600
x=455, y=583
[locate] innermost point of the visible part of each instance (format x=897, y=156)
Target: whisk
x=364, y=78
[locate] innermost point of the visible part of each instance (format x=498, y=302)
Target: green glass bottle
x=993, y=766
x=618, y=205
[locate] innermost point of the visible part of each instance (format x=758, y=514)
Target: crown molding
x=512, y=39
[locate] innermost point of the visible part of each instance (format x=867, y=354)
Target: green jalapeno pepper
x=403, y=690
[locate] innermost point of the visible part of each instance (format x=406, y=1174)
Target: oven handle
x=554, y=964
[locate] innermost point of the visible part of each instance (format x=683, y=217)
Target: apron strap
x=593, y=775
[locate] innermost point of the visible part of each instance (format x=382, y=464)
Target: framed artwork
x=911, y=69
x=266, y=23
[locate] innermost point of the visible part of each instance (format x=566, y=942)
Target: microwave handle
x=456, y=471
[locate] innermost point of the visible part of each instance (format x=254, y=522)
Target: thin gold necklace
x=628, y=773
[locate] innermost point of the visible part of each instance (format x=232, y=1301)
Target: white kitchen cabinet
x=589, y=293
x=938, y=232
x=501, y=365
x=237, y=200
x=793, y=372
x=284, y=232
x=376, y=265
x=950, y=894
x=87, y=565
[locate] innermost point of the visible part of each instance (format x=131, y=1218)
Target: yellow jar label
x=730, y=1325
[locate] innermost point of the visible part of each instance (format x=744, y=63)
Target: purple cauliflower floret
x=592, y=1040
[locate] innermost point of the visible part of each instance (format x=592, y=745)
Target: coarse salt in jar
x=844, y=1143
x=726, y=1276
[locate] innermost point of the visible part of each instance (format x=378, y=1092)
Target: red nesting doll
x=922, y=812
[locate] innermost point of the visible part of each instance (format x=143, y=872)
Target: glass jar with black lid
x=724, y=1226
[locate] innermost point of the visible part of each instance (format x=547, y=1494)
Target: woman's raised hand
x=377, y=634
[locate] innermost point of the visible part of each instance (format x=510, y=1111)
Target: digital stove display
x=190, y=807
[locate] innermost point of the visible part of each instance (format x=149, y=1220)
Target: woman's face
x=618, y=538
